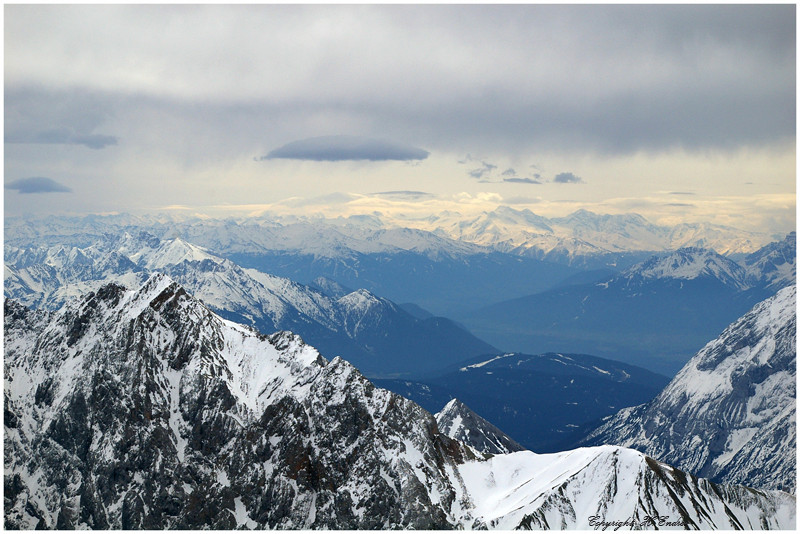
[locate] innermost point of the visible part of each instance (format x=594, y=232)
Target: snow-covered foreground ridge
x=142, y=409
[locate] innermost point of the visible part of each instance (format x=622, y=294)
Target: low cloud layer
x=37, y=184
x=346, y=148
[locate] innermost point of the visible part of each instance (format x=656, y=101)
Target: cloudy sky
x=675, y=112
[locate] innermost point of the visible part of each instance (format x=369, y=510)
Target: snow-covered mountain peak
x=359, y=300
x=134, y=245
x=459, y=422
x=525, y=216
x=688, y=264
x=588, y=219
x=158, y=286
x=175, y=251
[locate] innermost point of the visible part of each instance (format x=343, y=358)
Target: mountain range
x=581, y=233
x=584, y=234
x=446, y=263
x=655, y=314
x=369, y=331
x=143, y=409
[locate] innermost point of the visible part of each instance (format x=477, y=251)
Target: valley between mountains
x=303, y=374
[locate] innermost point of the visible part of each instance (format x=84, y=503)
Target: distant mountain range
x=730, y=413
x=445, y=263
x=369, y=331
x=142, y=409
x=655, y=314
x=585, y=234
x=505, y=229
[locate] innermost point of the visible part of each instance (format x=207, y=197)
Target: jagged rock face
x=144, y=410
x=729, y=415
x=457, y=421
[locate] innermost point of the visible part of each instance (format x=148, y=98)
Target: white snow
x=481, y=364
x=241, y=515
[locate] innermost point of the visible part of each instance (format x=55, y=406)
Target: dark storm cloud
x=567, y=178
x=344, y=148
x=681, y=193
x=521, y=181
x=37, y=184
x=510, y=172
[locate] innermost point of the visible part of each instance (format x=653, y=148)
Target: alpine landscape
x=400, y=267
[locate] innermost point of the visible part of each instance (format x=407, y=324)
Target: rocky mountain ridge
x=143, y=409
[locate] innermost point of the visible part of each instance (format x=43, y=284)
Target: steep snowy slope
x=142, y=409
x=610, y=488
x=457, y=421
x=729, y=415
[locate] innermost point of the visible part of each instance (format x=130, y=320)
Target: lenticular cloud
x=37, y=184
x=345, y=147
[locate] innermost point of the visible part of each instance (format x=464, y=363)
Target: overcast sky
x=680, y=113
